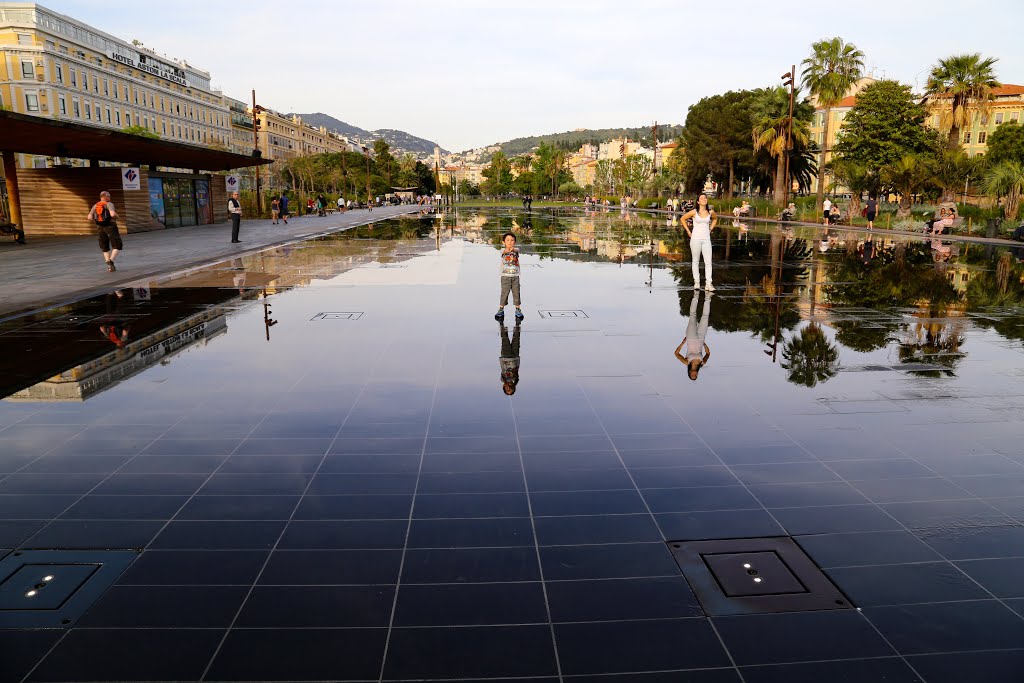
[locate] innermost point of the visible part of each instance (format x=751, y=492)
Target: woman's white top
x=701, y=226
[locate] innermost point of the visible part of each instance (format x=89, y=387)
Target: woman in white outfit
x=697, y=352
x=704, y=221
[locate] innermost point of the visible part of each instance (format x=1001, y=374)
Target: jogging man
x=105, y=217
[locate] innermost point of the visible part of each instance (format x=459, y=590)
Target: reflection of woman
x=509, y=359
x=697, y=351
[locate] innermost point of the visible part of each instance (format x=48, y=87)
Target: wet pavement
x=312, y=456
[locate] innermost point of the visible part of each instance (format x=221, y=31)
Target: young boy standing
x=509, y=277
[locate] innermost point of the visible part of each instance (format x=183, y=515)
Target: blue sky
x=469, y=73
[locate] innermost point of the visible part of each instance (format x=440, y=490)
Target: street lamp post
x=790, y=80
x=256, y=110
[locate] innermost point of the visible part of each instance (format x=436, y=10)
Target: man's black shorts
x=110, y=236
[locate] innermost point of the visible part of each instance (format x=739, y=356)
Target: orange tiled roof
x=1005, y=90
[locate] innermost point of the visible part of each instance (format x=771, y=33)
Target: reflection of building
x=58, y=67
x=82, y=381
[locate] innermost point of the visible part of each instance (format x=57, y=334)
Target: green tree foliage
x=907, y=177
x=832, y=69
x=810, y=357
x=716, y=139
x=141, y=131
x=857, y=178
x=385, y=161
x=468, y=189
x=970, y=81
x=1006, y=180
x=770, y=128
x=549, y=169
x=885, y=125
x=498, y=175
x=1006, y=143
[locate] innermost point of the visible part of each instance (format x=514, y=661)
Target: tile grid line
x=64, y=635
x=536, y=542
x=654, y=520
x=910, y=530
x=284, y=529
x=412, y=508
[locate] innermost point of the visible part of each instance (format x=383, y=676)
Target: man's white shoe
x=709, y=287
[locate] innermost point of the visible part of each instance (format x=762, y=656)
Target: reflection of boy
x=509, y=360
x=509, y=277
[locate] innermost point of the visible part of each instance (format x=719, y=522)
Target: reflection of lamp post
x=268, y=322
x=789, y=79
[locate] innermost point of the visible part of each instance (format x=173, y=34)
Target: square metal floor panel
x=755, y=576
x=53, y=588
x=562, y=314
x=338, y=315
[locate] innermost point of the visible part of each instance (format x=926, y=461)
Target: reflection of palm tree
x=810, y=357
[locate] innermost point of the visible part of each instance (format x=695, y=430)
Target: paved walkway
x=49, y=271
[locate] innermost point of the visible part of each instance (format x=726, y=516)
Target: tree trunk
x=953, y=141
x=854, y=205
x=1011, y=206
x=905, y=201
x=821, y=162
x=780, y=178
x=732, y=177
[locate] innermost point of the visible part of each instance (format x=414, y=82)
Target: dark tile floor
x=361, y=499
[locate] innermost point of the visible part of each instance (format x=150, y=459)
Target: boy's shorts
x=510, y=283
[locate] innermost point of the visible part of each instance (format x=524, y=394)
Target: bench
x=12, y=230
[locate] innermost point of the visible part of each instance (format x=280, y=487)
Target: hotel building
x=59, y=67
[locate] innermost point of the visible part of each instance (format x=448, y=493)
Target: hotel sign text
x=150, y=66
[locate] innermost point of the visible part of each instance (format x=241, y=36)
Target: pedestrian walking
x=826, y=210
x=871, y=210
x=704, y=221
x=104, y=216
x=235, y=209
x=284, y=207
x=275, y=209
x=509, y=277
x=341, y=204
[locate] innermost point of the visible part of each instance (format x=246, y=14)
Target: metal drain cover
x=755, y=576
x=338, y=315
x=562, y=314
x=53, y=588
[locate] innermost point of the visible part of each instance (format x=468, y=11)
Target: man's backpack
x=102, y=214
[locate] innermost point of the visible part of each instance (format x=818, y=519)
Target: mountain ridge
x=398, y=139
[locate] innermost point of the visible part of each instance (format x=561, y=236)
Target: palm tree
x=832, y=69
x=970, y=81
x=770, y=117
x=855, y=177
x=907, y=177
x=554, y=169
x=1006, y=179
x=809, y=356
x=522, y=163
x=952, y=169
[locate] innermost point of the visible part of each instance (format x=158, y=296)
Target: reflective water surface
x=339, y=466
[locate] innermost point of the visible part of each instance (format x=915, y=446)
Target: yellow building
x=1008, y=105
x=59, y=67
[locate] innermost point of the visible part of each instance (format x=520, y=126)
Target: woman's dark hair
x=696, y=203
x=509, y=234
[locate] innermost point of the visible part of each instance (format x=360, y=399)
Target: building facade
x=1007, y=105
x=59, y=67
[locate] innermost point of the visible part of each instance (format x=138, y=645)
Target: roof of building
x=26, y=134
x=669, y=145
x=1005, y=90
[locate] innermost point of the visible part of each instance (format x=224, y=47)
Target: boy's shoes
x=111, y=267
x=500, y=315
x=519, y=315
